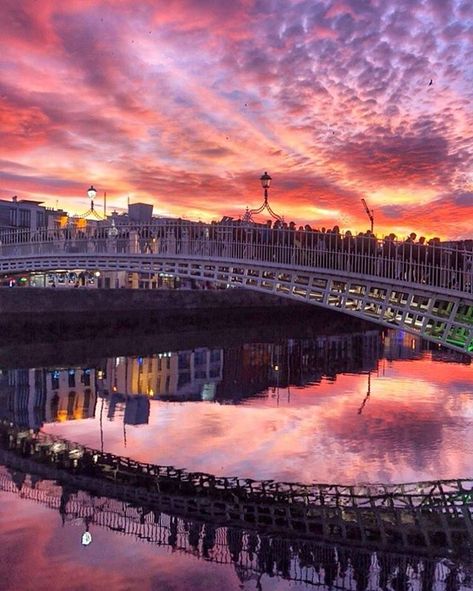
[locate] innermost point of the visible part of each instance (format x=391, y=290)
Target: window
x=13, y=216
x=70, y=404
x=86, y=377
x=55, y=380
x=214, y=355
x=200, y=357
x=25, y=218
x=184, y=360
x=40, y=219
x=184, y=378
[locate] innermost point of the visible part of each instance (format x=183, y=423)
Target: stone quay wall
x=37, y=301
x=26, y=312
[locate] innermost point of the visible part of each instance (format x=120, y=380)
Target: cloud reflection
x=406, y=431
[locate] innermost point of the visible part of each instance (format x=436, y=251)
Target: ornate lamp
x=113, y=230
x=265, y=183
x=92, y=194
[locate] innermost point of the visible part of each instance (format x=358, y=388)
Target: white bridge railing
x=431, y=265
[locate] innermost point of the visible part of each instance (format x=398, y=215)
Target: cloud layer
x=185, y=103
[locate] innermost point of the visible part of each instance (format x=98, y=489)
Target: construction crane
x=369, y=213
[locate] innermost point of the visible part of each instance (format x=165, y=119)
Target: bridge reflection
x=422, y=518
x=255, y=553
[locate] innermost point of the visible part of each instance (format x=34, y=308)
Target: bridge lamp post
x=265, y=183
x=112, y=247
x=86, y=538
x=92, y=193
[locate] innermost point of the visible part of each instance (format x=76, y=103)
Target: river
x=339, y=406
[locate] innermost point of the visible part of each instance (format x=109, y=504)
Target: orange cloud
x=184, y=104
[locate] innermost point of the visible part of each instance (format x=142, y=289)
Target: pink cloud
x=142, y=100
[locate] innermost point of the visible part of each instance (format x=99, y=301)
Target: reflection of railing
x=406, y=262
x=418, y=516
x=253, y=554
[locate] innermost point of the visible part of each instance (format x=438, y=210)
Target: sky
x=185, y=103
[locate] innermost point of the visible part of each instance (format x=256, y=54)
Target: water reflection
x=348, y=407
x=331, y=407
x=261, y=557
x=34, y=396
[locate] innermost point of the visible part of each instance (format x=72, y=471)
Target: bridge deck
x=426, y=290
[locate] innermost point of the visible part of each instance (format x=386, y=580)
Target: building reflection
x=254, y=367
x=30, y=397
x=127, y=385
x=400, y=345
x=180, y=375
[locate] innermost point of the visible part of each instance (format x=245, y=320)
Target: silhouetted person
x=428, y=575
x=400, y=581
x=330, y=567
x=407, y=257
x=194, y=534
x=451, y=580
x=208, y=542
x=282, y=554
x=172, y=538
x=234, y=542
x=361, y=563
x=252, y=544
x=265, y=560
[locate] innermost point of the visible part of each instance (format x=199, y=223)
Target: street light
x=249, y=213
x=113, y=230
x=265, y=183
x=92, y=193
x=86, y=538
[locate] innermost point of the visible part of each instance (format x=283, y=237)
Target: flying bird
x=431, y=82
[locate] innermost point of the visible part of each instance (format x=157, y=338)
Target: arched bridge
x=254, y=555
x=420, y=518
x=426, y=290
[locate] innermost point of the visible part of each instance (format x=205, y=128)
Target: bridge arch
x=433, y=301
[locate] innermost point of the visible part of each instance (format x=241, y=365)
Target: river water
x=338, y=406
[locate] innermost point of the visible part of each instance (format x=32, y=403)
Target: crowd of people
x=413, y=259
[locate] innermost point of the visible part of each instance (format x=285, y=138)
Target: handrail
x=431, y=265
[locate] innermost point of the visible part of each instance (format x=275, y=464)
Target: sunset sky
x=185, y=103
